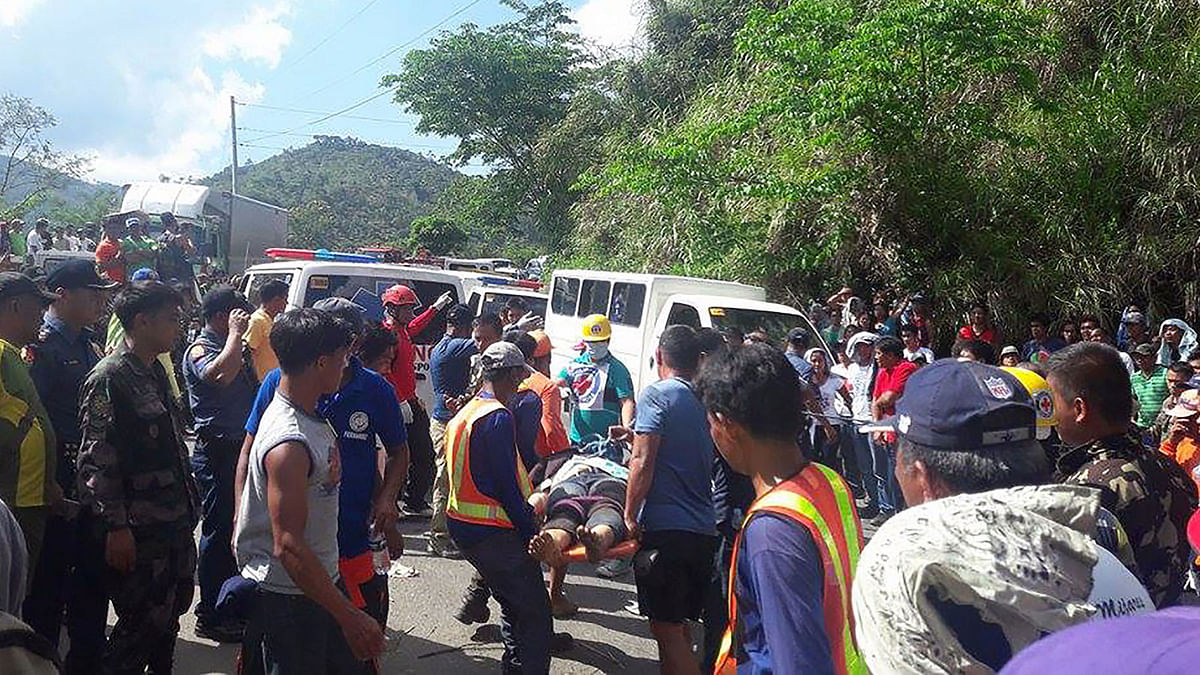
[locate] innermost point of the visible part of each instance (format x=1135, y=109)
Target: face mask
x=597, y=351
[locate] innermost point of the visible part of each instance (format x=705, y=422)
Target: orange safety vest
x=465, y=502
x=818, y=499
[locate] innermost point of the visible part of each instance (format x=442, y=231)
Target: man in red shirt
x=890, y=379
x=980, y=327
x=109, y=259
x=399, y=306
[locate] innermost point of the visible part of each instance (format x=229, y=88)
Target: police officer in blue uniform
x=69, y=575
x=220, y=393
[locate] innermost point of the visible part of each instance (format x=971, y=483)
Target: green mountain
x=69, y=199
x=342, y=192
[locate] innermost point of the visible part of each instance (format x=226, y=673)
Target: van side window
x=626, y=305
x=348, y=286
x=683, y=315
x=593, y=297
x=254, y=282
x=565, y=295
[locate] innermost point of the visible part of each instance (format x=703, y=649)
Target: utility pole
x=233, y=133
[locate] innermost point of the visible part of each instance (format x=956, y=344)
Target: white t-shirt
x=858, y=379
x=920, y=351
x=33, y=243
x=829, y=393
x=283, y=422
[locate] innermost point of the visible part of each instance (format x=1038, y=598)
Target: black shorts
x=672, y=570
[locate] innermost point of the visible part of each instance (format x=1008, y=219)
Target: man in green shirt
x=138, y=249
x=1149, y=384
x=17, y=237
x=27, y=445
x=601, y=388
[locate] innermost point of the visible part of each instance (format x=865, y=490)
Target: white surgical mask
x=597, y=351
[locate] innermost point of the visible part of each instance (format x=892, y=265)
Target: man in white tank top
x=287, y=525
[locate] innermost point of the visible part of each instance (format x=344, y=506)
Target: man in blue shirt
x=488, y=480
x=364, y=409
x=70, y=570
x=669, y=500
x=220, y=392
x=450, y=372
x=1041, y=344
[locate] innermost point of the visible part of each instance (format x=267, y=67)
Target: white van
x=312, y=281
x=490, y=299
x=641, y=306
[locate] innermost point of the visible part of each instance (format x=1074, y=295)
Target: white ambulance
x=641, y=306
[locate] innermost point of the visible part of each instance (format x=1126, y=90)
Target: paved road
x=425, y=638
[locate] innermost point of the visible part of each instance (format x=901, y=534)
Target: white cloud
x=194, y=124
x=615, y=24
x=261, y=36
x=13, y=12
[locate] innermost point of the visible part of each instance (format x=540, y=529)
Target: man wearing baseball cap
x=1183, y=438
x=28, y=458
x=220, y=392
x=72, y=571
x=969, y=465
x=487, y=512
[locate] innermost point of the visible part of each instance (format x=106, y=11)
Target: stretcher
x=624, y=549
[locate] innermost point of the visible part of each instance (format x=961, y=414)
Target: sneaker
x=611, y=569
x=469, y=614
x=407, y=511
x=443, y=548
x=224, y=633
x=560, y=643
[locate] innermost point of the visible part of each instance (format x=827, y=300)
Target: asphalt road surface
x=424, y=637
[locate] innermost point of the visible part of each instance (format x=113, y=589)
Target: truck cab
x=310, y=281
x=641, y=306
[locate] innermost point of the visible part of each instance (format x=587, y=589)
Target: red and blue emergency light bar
x=515, y=283
x=319, y=254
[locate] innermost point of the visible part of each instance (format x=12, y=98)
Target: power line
x=322, y=112
x=327, y=38
x=393, y=50
x=346, y=135
x=327, y=117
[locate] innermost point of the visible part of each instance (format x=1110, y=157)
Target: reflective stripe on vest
x=465, y=502
x=818, y=499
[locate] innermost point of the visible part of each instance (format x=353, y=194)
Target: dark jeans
x=298, y=636
x=876, y=476
x=214, y=463
x=420, y=457
x=839, y=455
x=70, y=577
x=716, y=600
x=515, y=580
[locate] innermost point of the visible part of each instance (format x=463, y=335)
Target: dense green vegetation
x=1037, y=153
x=342, y=192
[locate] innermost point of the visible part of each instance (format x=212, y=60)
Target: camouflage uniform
x=1150, y=495
x=133, y=473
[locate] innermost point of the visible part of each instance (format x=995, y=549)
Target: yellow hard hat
x=1043, y=403
x=596, y=328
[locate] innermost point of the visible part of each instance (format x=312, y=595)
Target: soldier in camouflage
x=1150, y=495
x=133, y=474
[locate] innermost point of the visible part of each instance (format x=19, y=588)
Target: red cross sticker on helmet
x=596, y=328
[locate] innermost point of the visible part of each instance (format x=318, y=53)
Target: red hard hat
x=400, y=295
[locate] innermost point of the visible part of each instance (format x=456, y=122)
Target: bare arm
x=239, y=480
x=395, y=473
x=641, y=472
x=227, y=364
x=628, y=410
x=886, y=400
x=287, y=469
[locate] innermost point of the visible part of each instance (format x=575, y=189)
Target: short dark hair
x=524, y=341
x=1039, y=317
x=710, y=341
x=375, y=342
x=909, y=328
x=979, y=304
x=460, y=316
x=273, y=289
x=1094, y=372
x=144, y=297
x=1182, y=368
x=969, y=471
x=889, y=344
x=489, y=320
x=680, y=348
x=516, y=304
x=755, y=386
x=301, y=336
x=1092, y=318
x=984, y=352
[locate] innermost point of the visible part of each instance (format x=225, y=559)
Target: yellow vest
x=465, y=502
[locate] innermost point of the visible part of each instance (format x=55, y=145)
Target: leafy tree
x=312, y=225
x=437, y=235
x=32, y=168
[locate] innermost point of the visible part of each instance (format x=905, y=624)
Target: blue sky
x=142, y=86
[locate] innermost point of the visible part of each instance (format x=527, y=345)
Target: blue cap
x=962, y=405
x=144, y=274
